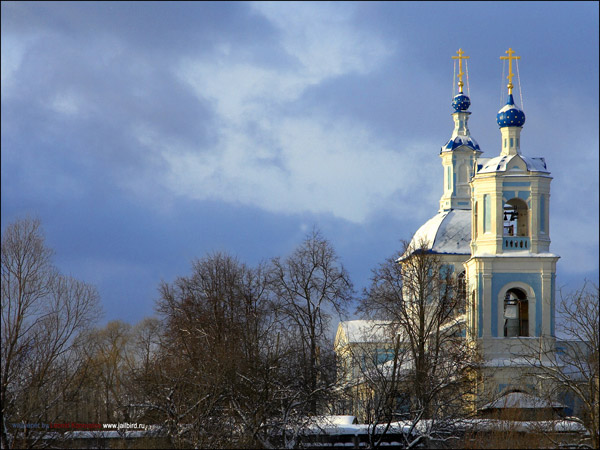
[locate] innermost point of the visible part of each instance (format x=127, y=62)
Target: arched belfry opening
x=516, y=313
x=516, y=218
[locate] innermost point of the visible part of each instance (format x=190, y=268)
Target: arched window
x=461, y=292
x=516, y=218
x=516, y=313
x=542, y=213
x=472, y=312
x=463, y=180
x=487, y=213
x=475, y=218
x=463, y=173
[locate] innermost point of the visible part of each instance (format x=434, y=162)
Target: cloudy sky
x=144, y=135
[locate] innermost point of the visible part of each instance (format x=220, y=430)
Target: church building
x=492, y=231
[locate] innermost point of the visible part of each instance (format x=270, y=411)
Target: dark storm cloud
x=102, y=73
x=161, y=28
x=146, y=134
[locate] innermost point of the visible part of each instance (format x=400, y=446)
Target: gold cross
x=460, y=57
x=510, y=57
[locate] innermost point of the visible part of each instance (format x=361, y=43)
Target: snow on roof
x=516, y=253
x=561, y=426
x=423, y=426
x=332, y=421
x=500, y=164
x=447, y=232
x=454, y=322
x=356, y=429
x=457, y=141
x=366, y=330
x=521, y=400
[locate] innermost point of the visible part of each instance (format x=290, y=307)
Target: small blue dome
x=510, y=115
x=461, y=102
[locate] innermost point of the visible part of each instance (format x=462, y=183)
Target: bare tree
x=310, y=286
x=570, y=368
x=108, y=354
x=42, y=312
x=421, y=296
x=229, y=379
x=236, y=356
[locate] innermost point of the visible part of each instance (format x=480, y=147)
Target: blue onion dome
x=461, y=102
x=510, y=115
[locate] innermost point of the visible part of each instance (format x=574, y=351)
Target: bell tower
x=511, y=272
x=460, y=152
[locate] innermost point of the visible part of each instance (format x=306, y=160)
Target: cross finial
x=510, y=57
x=460, y=57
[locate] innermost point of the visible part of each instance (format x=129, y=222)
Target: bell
x=511, y=309
x=505, y=218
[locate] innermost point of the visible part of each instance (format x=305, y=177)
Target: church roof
x=461, y=102
x=502, y=164
x=460, y=140
x=510, y=115
x=447, y=232
x=521, y=400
